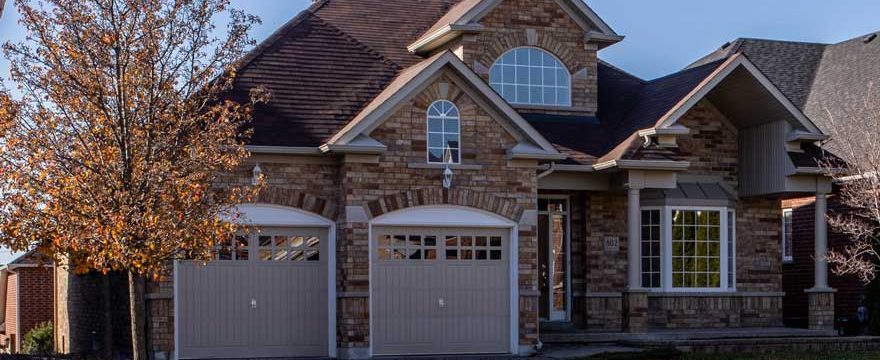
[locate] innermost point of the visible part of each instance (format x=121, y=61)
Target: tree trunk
x=138, y=328
x=108, y=317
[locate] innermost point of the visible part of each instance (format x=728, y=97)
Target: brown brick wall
x=714, y=311
x=11, y=313
x=799, y=275
x=506, y=28
x=711, y=147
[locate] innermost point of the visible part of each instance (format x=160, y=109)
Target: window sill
x=443, y=166
x=715, y=294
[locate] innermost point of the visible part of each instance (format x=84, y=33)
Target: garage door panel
x=269, y=304
x=408, y=304
x=457, y=303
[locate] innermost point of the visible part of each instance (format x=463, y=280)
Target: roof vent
x=869, y=38
x=725, y=46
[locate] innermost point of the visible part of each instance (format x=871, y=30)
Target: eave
x=443, y=35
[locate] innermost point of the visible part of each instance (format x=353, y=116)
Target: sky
x=661, y=36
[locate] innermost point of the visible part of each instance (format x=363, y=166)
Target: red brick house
x=26, y=290
x=450, y=176
x=828, y=82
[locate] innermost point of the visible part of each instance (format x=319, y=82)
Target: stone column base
x=821, y=309
x=635, y=311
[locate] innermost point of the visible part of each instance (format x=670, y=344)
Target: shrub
x=39, y=341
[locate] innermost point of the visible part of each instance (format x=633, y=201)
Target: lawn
x=674, y=355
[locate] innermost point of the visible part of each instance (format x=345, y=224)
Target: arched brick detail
x=510, y=41
x=435, y=196
x=297, y=199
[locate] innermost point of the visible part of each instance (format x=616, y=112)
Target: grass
x=675, y=355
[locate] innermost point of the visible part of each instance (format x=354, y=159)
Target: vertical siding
x=764, y=162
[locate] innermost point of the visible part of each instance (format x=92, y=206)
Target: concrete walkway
x=579, y=352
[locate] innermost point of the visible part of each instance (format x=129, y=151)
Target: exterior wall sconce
x=447, y=178
x=257, y=175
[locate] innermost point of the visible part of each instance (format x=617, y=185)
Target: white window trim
x=561, y=63
x=428, y=135
x=727, y=284
x=787, y=259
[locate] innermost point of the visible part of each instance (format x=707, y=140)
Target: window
x=444, y=133
x=473, y=248
x=408, y=247
x=787, y=254
x=651, y=261
x=687, y=249
x=270, y=245
x=531, y=76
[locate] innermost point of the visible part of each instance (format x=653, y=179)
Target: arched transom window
x=444, y=133
x=531, y=76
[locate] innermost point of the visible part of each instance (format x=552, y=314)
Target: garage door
x=440, y=291
x=265, y=295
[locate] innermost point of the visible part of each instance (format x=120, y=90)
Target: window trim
x=562, y=64
x=728, y=282
x=787, y=259
x=428, y=134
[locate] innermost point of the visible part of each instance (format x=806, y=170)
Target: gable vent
x=869, y=38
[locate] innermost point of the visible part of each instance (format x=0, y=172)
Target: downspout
x=547, y=172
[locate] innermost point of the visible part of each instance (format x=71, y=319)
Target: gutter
x=281, y=150
x=644, y=165
x=550, y=170
x=441, y=35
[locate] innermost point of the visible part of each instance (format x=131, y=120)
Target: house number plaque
x=612, y=244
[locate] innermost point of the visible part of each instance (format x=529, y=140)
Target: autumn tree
x=855, y=132
x=110, y=155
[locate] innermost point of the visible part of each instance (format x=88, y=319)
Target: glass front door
x=553, y=262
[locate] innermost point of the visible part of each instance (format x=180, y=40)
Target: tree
x=856, y=141
x=110, y=156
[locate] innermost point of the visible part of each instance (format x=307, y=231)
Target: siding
x=764, y=162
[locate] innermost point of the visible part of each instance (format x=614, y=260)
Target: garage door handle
x=441, y=302
x=253, y=303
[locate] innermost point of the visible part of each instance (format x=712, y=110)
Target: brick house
x=828, y=82
x=26, y=289
x=450, y=176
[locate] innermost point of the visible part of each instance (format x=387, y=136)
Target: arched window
x=531, y=76
x=444, y=133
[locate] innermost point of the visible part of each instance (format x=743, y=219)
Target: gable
x=469, y=16
x=412, y=82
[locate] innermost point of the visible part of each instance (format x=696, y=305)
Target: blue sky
x=661, y=36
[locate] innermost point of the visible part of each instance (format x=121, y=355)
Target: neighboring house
x=835, y=85
x=450, y=176
x=26, y=289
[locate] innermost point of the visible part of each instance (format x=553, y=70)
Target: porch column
x=633, y=253
x=821, y=243
x=635, y=299
x=821, y=296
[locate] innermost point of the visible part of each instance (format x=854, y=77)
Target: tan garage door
x=264, y=297
x=440, y=291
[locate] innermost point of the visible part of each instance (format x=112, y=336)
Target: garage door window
x=473, y=248
x=270, y=247
x=289, y=247
x=408, y=247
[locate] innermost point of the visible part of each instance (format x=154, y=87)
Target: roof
x=332, y=69
x=825, y=80
x=691, y=194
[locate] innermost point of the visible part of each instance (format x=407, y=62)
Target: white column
x=821, y=243
x=633, y=220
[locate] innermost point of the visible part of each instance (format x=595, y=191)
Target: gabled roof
x=416, y=78
x=824, y=80
x=465, y=16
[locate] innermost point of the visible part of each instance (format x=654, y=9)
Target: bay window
x=688, y=249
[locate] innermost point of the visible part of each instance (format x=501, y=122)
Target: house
x=452, y=176
x=26, y=293
x=834, y=84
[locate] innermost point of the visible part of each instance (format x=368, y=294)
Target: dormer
x=539, y=55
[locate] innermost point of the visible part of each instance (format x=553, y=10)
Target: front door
x=553, y=249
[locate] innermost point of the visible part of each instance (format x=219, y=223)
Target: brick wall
x=711, y=147
x=29, y=302
x=799, y=275
x=508, y=27
x=79, y=318
x=11, y=332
